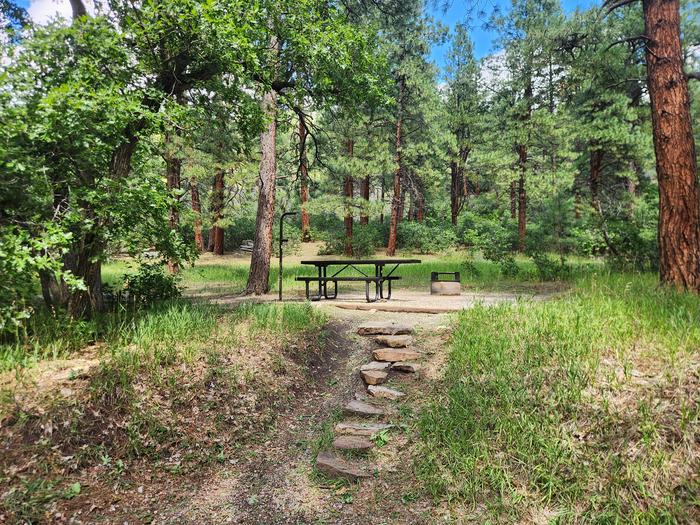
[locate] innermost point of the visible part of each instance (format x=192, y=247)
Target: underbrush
x=580, y=410
x=175, y=388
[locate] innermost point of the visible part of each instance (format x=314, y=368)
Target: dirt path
x=273, y=481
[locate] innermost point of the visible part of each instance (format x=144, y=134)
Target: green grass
x=477, y=274
x=542, y=413
x=179, y=377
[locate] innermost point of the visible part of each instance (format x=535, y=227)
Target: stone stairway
x=367, y=414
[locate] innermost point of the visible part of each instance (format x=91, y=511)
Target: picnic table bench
x=378, y=278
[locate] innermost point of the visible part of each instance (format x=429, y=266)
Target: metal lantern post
x=282, y=241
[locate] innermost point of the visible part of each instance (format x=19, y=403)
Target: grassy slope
x=176, y=387
x=580, y=410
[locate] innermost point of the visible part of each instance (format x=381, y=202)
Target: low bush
x=428, y=236
x=150, y=284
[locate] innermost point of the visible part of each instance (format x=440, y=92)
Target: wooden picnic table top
x=376, y=262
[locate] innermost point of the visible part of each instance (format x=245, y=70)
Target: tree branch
x=611, y=5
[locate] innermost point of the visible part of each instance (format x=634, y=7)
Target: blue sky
x=458, y=10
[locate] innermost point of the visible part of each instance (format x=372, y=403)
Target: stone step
x=373, y=377
x=383, y=328
x=384, y=392
x=360, y=429
x=394, y=354
x=375, y=365
x=335, y=467
x=359, y=443
x=394, y=341
x=406, y=366
x=360, y=408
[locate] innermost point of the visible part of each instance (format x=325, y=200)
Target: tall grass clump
x=582, y=409
x=282, y=318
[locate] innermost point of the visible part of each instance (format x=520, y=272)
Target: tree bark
x=676, y=168
x=594, y=175
x=78, y=8
x=304, y=182
x=197, y=210
x=396, y=201
x=258, y=278
x=381, y=199
x=364, y=190
x=216, y=238
x=455, y=187
x=513, y=200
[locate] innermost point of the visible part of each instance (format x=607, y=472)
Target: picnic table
x=378, y=277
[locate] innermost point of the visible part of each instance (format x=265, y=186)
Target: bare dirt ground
x=273, y=481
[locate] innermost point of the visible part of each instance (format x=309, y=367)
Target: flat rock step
x=352, y=443
x=335, y=467
x=383, y=328
x=394, y=354
x=394, y=341
x=406, y=366
x=375, y=365
x=384, y=392
x=360, y=429
x=373, y=377
x=360, y=408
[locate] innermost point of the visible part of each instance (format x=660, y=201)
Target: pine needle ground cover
x=579, y=410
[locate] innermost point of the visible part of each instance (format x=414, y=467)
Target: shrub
x=426, y=237
x=366, y=239
x=150, y=284
x=495, y=240
x=548, y=268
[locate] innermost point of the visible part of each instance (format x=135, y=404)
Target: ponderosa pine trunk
x=513, y=200
x=594, y=176
x=397, y=199
x=304, y=182
x=364, y=190
x=258, y=278
x=455, y=186
x=217, y=212
x=676, y=168
x=197, y=210
x=348, y=193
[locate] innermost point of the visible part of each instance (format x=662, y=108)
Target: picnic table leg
x=335, y=290
x=367, y=293
x=389, y=296
x=380, y=282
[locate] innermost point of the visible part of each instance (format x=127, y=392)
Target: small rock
x=375, y=365
x=393, y=355
x=373, y=377
x=352, y=443
x=360, y=408
x=406, y=366
x=384, y=392
x=335, y=467
x=66, y=392
x=394, y=341
x=360, y=429
x=383, y=328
